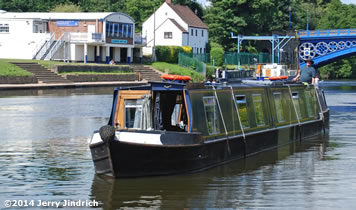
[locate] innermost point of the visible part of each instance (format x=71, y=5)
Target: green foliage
x=102, y=5
x=338, y=15
x=141, y=10
x=178, y=70
x=67, y=8
x=169, y=53
x=253, y=17
x=217, y=54
x=339, y=70
x=214, y=45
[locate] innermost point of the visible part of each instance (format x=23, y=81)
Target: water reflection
x=238, y=184
x=58, y=116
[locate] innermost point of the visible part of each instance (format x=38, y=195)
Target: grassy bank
x=96, y=72
x=176, y=69
x=50, y=64
x=8, y=69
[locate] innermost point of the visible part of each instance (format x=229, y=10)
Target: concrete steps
x=42, y=74
x=147, y=72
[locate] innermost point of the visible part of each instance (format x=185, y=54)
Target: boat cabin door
x=169, y=111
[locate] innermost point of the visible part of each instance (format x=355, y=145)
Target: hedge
x=170, y=53
x=217, y=54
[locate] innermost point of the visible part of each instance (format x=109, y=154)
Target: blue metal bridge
x=326, y=46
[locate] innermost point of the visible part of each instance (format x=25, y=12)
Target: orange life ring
x=175, y=77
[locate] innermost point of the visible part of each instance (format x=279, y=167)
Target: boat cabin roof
x=175, y=86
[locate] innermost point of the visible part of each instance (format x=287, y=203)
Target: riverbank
x=69, y=85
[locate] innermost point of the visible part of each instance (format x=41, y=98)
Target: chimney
x=169, y=1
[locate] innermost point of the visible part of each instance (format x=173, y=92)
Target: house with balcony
x=175, y=25
x=74, y=37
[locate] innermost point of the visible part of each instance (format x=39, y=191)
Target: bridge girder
x=326, y=46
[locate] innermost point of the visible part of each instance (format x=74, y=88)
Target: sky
x=206, y=2
x=348, y=1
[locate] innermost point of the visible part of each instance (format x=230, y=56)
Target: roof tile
x=188, y=16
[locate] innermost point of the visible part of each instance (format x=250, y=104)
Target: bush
x=187, y=49
x=170, y=53
x=214, y=45
x=217, y=53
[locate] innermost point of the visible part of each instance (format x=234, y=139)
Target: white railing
x=39, y=46
x=43, y=48
x=59, y=43
x=140, y=40
x=86, y=37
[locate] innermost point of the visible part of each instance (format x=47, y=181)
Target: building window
x=168, y=35
x=202, y=33
x=211, y=115
x=242, y=106
x=196, y=32
x=124, y=30
x=4, y=28
x=119, y=30
x=192, y=32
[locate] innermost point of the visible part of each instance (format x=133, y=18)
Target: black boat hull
x=124, y=159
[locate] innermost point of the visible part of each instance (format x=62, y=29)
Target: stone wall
x=17, y=79
x=101, y=77
x=88, y=68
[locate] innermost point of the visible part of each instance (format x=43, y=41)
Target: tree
x=102, y=5
x=66, y=8
x=140, y=10
x=247, y=17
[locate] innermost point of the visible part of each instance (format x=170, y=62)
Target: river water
x=44, y=159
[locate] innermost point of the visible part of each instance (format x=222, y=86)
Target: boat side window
x=309, y=102
x=133, y=113
x=211, y=114
x=295, y=96
x=279, y=107
x=242, y=106
x=257, y=102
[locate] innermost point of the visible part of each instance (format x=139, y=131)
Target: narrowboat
x=173, y=127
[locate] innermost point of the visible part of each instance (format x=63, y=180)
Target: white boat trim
x=139, y=138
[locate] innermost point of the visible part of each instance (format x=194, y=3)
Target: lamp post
x=308, y=21
x=290, y=18
x=154, y=36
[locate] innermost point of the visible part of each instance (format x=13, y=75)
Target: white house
x=77, y=37
x=175, y=25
